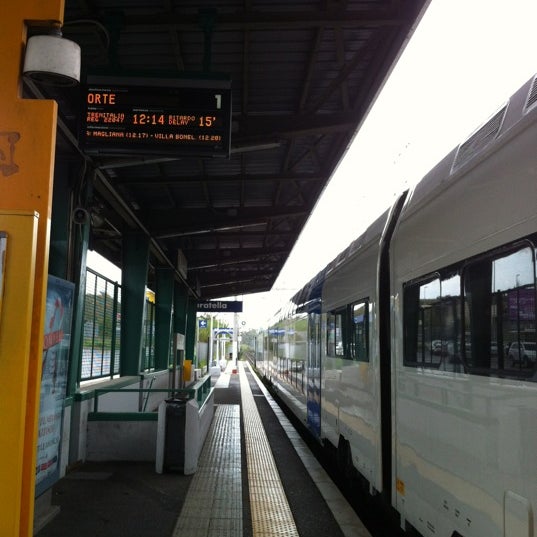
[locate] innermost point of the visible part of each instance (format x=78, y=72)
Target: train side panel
x=286, y=359
x=350, y=394
x=463, y=288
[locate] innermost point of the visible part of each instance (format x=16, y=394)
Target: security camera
x=80, y=216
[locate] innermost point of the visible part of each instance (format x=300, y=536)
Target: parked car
x=523, y=353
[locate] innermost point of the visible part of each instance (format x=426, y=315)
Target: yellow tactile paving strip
x=213, y=506
x=271, y=515
x=348, y=521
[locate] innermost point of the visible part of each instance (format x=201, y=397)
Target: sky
x=465, y=59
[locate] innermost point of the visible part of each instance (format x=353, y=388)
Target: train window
x=450, y=320
x=314, y=341
x=500, y=318
x=432, y=317
x=422, y=322
x=490, y=330
x=359, y=333
x=335, y=327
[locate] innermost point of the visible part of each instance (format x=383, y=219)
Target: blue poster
x=56, y=343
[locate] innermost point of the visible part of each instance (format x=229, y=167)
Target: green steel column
x=134, y=278
x=180, y=302
x=190, y=339
x=163, y=316
x=60, y=222
x=79, y=258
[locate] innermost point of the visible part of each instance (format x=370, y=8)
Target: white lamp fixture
x=52, y=60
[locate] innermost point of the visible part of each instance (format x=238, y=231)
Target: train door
x=314, y=374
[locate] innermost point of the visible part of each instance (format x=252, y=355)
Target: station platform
x=256, y=478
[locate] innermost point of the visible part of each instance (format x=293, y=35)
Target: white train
x=414, y=351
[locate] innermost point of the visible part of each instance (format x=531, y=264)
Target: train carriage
x=350, y=361
x=418, y=342
x=463, y=281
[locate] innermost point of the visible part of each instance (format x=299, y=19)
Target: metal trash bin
x=174, y=443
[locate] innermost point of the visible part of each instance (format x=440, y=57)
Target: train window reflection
x=422, y=316
x=347, y=332
x=500, y=315
x=429, y=323
x=490, y=330
x=432, y=323
x=450, y=333
x=335, y=326
x=359, y=333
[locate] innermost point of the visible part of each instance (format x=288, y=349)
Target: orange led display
x=156, y=116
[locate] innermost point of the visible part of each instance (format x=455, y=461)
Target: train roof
x=458, y=161
x=500, y=125
x=307, y=299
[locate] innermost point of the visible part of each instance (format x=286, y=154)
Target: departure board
x=156, y=116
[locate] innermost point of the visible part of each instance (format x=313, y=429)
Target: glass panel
x=430, y=324
x=450, y=346
x=313, y=340
x=359, y=332
x=335, y=327
x=339, y=318
x=423, y=310
x=500, y=314
x=330, y=334
x=513, y=312
x=497, y=333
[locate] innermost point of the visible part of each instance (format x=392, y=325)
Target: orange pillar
x=27, y=145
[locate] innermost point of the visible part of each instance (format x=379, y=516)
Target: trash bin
x=174, y=443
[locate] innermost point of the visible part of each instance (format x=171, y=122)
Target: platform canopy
x=301, y=75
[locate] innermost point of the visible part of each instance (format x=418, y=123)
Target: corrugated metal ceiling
x=304, y=74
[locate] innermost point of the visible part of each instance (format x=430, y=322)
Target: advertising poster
x=53, y=381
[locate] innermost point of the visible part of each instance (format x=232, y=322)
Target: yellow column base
x=27, y=148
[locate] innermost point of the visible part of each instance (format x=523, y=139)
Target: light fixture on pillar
x=52, y=60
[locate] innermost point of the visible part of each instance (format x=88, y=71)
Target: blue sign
x=276, y=331
x=202, y=323
x=226, y=331
x=234, y=306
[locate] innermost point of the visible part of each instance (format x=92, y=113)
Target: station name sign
x=156, y=116
x=234, y=306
